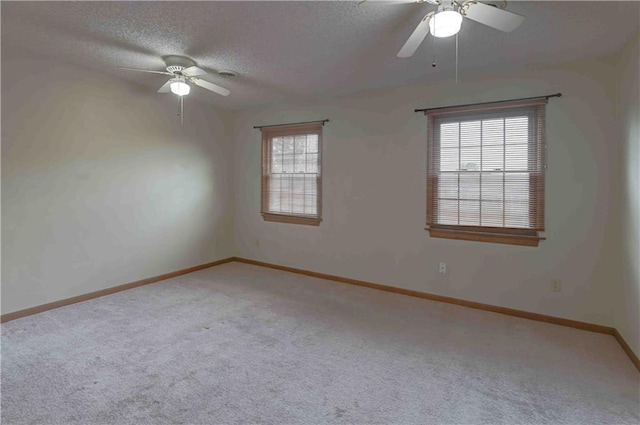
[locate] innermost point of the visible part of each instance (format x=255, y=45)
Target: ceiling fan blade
x=493, y=17
x=166, y=87
x=145, y=70
x=416, y=38
x=193, y=71
x=210, y=86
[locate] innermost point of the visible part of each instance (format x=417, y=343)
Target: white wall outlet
x=442, y=268
x=556, y=285
x=257, y=242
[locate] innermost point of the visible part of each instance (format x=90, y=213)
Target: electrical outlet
x=257, y=242
x=556, y=286
x=442, y=268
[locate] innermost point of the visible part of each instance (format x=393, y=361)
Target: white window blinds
x=291, y=173
x=486, y=168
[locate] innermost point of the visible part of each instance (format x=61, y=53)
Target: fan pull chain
x=456, y=58
x=433, y=63
x=181, y=110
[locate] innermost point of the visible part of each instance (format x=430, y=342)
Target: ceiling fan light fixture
x=180, y=88
x=445, y=23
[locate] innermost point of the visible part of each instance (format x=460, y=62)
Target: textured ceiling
x=287, y=51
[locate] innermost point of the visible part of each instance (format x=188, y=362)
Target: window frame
x=525, y=236
x=268, y=134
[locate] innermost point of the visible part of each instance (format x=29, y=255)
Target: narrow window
x=291, y=174
x=485, y=177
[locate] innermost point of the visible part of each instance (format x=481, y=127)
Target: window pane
x=516, y=157
x=516, y=130
x=470, y=159
x=276, y=146
x=297, y=194
x=516, y=214
x=300, y=163
x=285, y=183
x=492, y=157
x=288, y=145
x=300, y=144
x=312, y=143
x=448, y=186
x=276, y=164
x=469, y=213
x=310, y=184
x=311, y=163
x=274, y=201
x=287, y=163
x=276, y=155
x=449, y=159
x=447, y=212
x=274, y=193
x=310, y=205
x=492, y=213
x=469, y=185
x=493, y=132
x=450, y=135
x=470, y=132
x=492, y=186
x=516, y=186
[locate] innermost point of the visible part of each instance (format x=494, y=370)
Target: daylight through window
x=486, y=172
x=291, y=177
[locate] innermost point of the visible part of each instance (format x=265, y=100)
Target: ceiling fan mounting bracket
x=177, y=61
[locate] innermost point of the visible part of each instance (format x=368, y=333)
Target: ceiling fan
x=446, y=20
x=184, y=73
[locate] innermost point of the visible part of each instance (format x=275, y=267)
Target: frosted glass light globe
x=445, y=23
x=180, y=88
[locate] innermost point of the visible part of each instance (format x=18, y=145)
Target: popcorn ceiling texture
x=240, y=344
x=292, y=51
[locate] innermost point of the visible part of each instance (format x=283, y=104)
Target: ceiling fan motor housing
x=174, y=69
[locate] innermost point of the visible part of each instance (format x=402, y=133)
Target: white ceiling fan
x=184, y=72
x=446, y=20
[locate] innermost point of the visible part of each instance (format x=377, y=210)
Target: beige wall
x=101, y=185
x=626, y=309
x=374, y=195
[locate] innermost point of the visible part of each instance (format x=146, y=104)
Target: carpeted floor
x=243, y=344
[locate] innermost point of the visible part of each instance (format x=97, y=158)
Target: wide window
x=291, y=174
x=486, y=172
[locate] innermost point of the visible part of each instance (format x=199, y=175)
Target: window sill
x=292, y=219
x=503, y=236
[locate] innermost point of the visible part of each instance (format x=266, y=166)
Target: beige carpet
x=240, y=344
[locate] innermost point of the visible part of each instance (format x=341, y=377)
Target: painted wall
x=101, y=185
x=627, y=307
x=374, y=195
